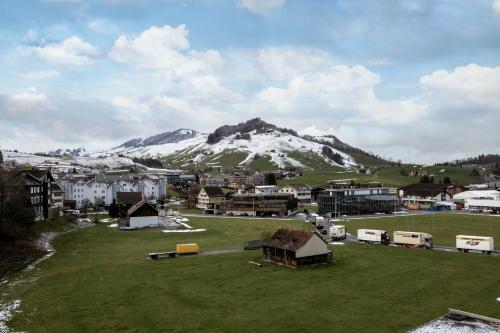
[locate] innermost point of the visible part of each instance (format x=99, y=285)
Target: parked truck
x=466, y=243
x=190, y=248
x=337, y=232
x=413, y=239
x=373, y=236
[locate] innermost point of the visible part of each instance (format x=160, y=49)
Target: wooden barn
x=142, y=214
x=295, y=248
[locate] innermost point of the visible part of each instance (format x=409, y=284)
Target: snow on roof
x=460, y=322
x=491, y=194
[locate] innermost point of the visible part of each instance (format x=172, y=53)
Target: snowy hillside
x=243, y=143
x=176, y=136
x=273, y=143
x=91, y=162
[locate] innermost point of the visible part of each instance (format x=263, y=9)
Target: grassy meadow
x=99, y=281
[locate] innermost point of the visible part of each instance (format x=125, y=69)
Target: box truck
x=190, y=248
x=337, y=232
x=373, y=236
x=466, y=243
x=413, y=239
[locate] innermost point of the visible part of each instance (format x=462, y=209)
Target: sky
x=405, y=79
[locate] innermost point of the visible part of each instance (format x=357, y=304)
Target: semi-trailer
x=466, y=243
x=413, y=239
x=373, y=236
x=337, y=232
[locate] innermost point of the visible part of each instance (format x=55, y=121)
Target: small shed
x=295, y=248
x=142, y=214
x=254, y=244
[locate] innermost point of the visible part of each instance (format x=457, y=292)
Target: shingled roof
x=139, y=205
x=214, y=191
x=425, y=189
x=128, y=198
x=289, y=239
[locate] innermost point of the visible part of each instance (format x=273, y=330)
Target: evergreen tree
x=113, y=209
x=270, y=179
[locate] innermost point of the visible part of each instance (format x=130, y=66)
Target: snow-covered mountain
x=255, y=138
x=246, y=142
x=176, y=136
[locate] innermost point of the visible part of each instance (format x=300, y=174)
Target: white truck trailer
x=466, y=243
x=413, y=239
x=337, y=232
x=373, y=236
x=312, y=218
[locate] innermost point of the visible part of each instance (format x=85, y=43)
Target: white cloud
x=26, y=103
x=468, y=86
x=346, y=92
x=260, y=6
x=496, y=6
x=41, y=75
x=156, y=47
x=281, y=63
x=71, y=51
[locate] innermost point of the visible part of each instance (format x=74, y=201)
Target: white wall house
x=300, y=192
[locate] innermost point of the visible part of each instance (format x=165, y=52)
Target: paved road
x=207, y=253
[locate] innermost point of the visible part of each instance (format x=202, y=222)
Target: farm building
x=141, y=215
x=125, y=200
x=295, y=248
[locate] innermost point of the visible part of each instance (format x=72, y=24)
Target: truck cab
x=385, y=238
x=427, y=241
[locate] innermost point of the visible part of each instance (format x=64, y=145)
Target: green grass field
x=99, y=281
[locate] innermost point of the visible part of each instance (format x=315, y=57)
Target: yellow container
x=187, y=248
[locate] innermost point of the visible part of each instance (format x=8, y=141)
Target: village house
x=211, y=199
x=236, y=181
x=301, y=192
x=425, y=195
x=296, y=248
x=42, y=189
x=263, y=189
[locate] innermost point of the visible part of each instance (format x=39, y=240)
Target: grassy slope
x=388, y=176
x=264, y=163
x=98, y=281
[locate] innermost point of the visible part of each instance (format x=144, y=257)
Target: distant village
x=55, y=190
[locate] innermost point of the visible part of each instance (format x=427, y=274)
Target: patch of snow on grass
x=6, y=312
x=113, y=225
x=185, y=230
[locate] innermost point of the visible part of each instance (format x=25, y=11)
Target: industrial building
x=357, y=201
x=261, y=204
